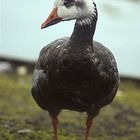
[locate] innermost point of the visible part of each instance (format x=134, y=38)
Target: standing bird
x=75, y=73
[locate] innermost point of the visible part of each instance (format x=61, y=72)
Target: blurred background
x=21, y=40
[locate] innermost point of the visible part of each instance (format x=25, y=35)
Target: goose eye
x=68, y=3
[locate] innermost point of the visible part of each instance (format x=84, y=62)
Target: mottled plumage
x=74, y=78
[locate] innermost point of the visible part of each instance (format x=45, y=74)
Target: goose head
x=65, y=10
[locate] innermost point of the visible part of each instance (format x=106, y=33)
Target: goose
x=75, y=73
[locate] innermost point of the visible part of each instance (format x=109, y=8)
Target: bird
x=75, y=73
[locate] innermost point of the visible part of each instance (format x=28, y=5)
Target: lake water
x=118, y=29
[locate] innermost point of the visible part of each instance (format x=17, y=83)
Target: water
x=118, y=28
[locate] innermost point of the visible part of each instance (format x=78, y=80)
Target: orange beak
x=52, y=19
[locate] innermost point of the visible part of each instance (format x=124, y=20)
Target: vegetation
x=22, y=119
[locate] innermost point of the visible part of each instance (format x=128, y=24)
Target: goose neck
x=84, y=31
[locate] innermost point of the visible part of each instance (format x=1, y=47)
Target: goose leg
x=54, y=125
x=88, y=126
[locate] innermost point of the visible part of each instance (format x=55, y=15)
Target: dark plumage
x=75, y=73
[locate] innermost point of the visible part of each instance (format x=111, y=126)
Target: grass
x=21, y=118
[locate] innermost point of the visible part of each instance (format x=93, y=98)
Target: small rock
x=23, y=131
x=22, y=70
x=5, y=67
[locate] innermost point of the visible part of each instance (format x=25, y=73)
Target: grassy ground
x=22, y=119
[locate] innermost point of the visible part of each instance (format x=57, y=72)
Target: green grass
x=22, y=119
